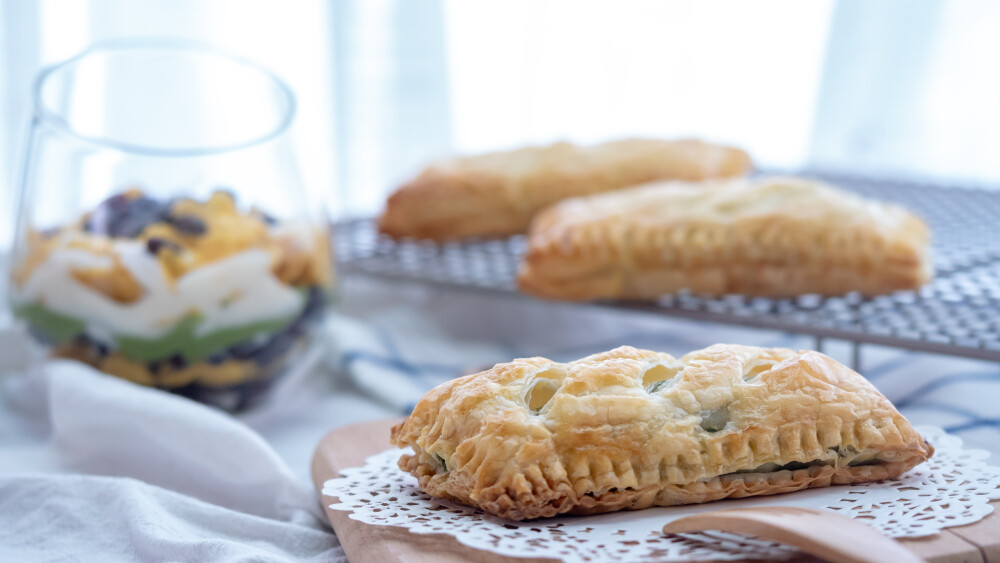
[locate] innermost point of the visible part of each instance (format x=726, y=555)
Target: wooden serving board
x=349, y=446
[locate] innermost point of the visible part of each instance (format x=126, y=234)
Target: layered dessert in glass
x=197, y=297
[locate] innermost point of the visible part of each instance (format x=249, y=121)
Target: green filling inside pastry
x=849, y=451
x=441, y=460
x=792, y=466
x=656, y=386
x=715, y=419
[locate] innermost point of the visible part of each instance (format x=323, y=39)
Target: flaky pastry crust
x=775, y=236
x=498, y=193
x=631, y=429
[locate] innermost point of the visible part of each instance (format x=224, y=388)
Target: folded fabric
x=53, y=517
x=135, y=473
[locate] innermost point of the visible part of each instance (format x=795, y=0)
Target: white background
x=893, y=87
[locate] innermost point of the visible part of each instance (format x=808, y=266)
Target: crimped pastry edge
x=535, y=278
x=526, y=506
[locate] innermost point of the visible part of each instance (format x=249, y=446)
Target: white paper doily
x=952, y=489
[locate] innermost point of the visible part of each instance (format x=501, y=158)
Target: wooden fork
x=822, y=533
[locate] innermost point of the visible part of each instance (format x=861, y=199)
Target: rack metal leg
x=856, y=356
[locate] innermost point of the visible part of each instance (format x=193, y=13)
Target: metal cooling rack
x=958, y=313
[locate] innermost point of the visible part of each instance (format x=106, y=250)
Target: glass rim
x=55, y=118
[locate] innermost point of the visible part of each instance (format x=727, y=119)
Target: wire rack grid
x=958, y=313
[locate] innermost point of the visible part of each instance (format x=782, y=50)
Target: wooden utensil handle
x=822, y=533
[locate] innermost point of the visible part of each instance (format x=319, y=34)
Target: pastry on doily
x=632, y=429
x=202, y=298
x=773, y=237
x=498, y=193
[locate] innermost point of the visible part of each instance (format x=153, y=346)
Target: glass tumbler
x=164, y=234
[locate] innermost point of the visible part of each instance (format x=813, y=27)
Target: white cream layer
x=235, y=291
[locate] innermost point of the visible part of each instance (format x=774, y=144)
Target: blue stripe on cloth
x=412, y=368
x=972, y=424
x=387, y=341
x=973, y=420
x=888, y=366
x=396, y=355
x=945, y=381
x=398, y=364
x=935, y=405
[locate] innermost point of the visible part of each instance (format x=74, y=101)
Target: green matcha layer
x=181, y=340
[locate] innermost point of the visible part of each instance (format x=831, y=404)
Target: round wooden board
x=349, y=446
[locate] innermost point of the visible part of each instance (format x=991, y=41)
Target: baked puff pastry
x=498, y=193
x=774, y=237
x=631, y=429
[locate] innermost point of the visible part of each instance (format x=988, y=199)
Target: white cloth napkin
x=93, y=465
x=71, y=517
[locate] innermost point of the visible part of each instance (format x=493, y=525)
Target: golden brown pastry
x=498, y=193
x=776, y=236
x=631, y=429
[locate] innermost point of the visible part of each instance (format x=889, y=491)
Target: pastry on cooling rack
x=498, y=193
x=631, y=429
x=774, y=237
